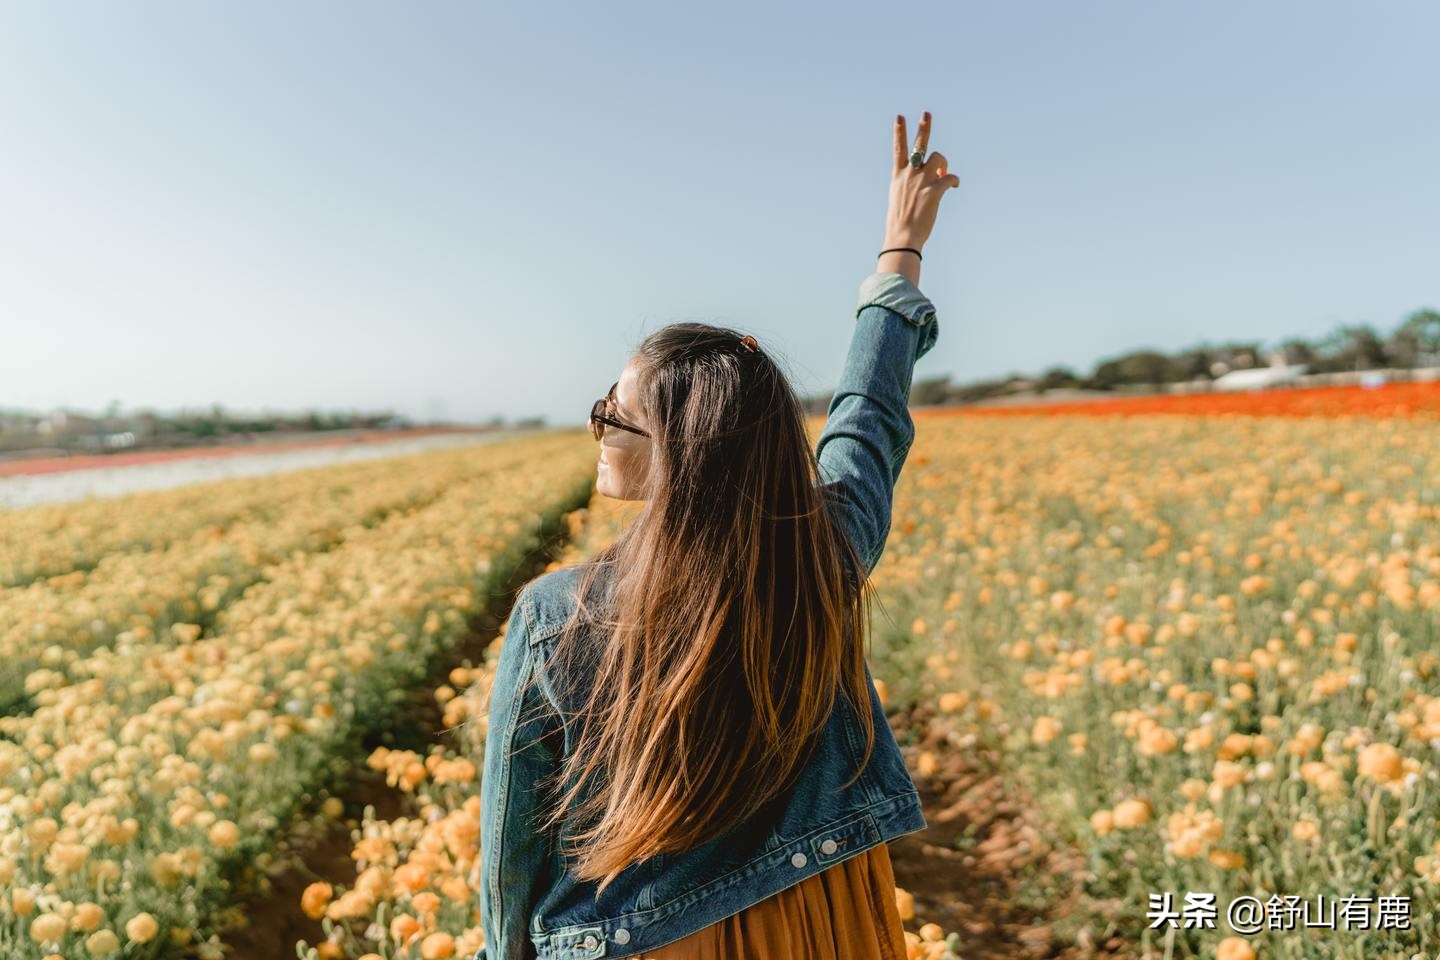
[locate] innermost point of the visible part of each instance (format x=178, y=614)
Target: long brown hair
x=730, y=622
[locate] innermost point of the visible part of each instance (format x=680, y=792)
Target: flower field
x=1203, y=649
x=1207, y=645
x=155, y=765
x=1397, y=399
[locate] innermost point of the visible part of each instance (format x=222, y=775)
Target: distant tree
x=1106, y=375
x=1189, y=364
x=1238, y=354
x=1144, y=366
x=1350, y=347
x=930, y=391
x=817, y=404
x=1364, y=349
x=1057, y=378
x=1297, y=351
x=1416, y=342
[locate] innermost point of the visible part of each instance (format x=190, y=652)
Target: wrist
x=897, y=261
x=900, y=238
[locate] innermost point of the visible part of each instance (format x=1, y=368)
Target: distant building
x=1259, y=378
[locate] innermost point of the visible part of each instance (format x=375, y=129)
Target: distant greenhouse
x=1259, y=378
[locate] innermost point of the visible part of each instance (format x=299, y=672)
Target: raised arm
x=868, y=431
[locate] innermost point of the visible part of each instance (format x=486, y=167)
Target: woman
x=678, y=765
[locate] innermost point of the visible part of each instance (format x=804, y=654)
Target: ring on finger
x=917, y=159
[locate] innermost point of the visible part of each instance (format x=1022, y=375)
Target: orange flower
x=315, y=899
x=404, y=929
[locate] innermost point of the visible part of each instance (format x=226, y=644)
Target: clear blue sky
x=478, y=209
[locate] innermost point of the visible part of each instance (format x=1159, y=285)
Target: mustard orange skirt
x=845, y=912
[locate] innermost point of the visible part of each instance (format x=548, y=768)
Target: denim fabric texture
x=530, y=904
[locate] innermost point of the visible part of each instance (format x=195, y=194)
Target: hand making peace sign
x=915, y=192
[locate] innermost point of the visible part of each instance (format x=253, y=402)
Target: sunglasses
x=600, y=417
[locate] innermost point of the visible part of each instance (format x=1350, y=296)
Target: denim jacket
x=530, y=904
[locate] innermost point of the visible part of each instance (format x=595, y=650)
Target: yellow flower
x=1227, y=774
x=87, y=917
x=102, y=943
x=66, y=858
x=315, y=899
x=1306, y=740
x=437, y=946
x=404, y=929
x=1227, y=859
x=953, y=702
x=224, y=834
x=1234, y=948
x=905, y=903
x=141, y=928
x=1157, y=740
x=42, y=831
x=262, y=753
x=1131, y=813
x=1382, y=762
x=1235, y=745
x=925, y=764
x=1044, y=730
x=47, y=928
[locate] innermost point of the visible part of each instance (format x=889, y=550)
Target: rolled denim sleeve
x=896, y=292
x=519, y=751
x=868, y=430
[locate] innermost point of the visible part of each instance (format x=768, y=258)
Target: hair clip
x=748, y=342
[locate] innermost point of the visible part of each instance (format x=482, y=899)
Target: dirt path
x=983, y=867
x=274, y=922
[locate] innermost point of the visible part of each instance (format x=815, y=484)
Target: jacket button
x=828, y=847
x=798, y=859
x=622, y=935
x=589, y=943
